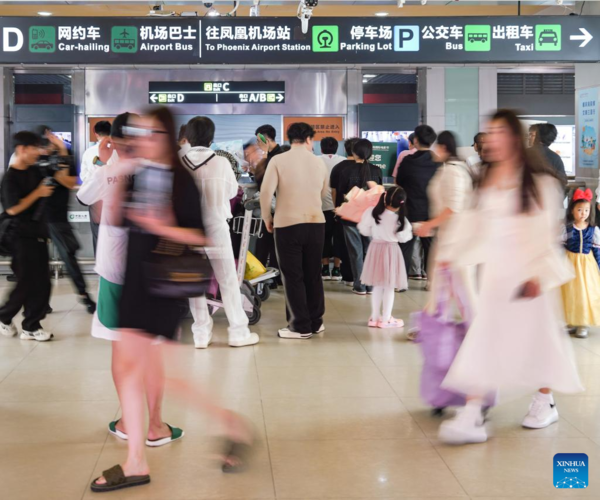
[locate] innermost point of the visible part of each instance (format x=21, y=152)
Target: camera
x=305, y=9
x=52, y=163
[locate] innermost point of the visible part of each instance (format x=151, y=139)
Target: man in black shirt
x=359, y=175
x=337, y=173
x=60, y=230
x=265, y=139
x=23, y=188
x=414, y=176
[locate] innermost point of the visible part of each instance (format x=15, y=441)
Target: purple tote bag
x=440, y=338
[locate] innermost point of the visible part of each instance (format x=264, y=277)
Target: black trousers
x=299, y=251
x=407, y=252
x=32, y=290
x=66, y=243
x=328, y=245
x=340, y=239
x=95, y=228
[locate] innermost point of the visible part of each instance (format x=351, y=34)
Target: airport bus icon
x=124, y=39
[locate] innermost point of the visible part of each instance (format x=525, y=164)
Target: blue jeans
x=357, y=250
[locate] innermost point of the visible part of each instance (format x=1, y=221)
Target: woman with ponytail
x=384, y=267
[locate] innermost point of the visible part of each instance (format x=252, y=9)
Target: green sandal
x=116, y=480
x=176, y=434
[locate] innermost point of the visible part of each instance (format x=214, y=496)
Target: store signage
x=237, y=40
x=324, y=126
x=216, y=93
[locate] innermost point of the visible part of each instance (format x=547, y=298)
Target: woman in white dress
x=450, y=193
x=517, y=343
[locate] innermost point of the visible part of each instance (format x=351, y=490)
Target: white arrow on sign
x=586, y=37
x=279, y=97
x=153, y=98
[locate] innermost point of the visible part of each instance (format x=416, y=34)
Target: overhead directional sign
x=344, y=40
x=216, y=93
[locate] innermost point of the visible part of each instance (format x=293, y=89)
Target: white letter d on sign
x=6, y=39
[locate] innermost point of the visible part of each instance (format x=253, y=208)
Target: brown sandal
x=116, y=480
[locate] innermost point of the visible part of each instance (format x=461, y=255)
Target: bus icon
x=478, y=37
x=124, y=39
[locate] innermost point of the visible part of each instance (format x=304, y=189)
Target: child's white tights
x=382, y=303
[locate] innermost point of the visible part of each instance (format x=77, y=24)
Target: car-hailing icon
x=42, y=45
x=478, y=37
x=548, y=36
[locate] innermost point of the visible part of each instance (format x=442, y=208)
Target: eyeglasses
x=142, y=132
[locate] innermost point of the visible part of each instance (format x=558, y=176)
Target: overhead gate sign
x=229, y=40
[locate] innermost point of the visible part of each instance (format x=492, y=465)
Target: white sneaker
x=39, y=335
x=202, y=341
x=466, y=428
x=286, y=333
x=542, y=412
x=8, y=330
x=320, y=330
x=250, y=339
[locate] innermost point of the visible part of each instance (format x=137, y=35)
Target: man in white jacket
x=217, y=185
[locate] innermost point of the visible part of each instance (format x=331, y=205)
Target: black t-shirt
x=16, y=185
x=350, y=174
x=58, y=203
x=414, y=176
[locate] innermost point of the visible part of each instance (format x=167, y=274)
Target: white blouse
x=387, y=229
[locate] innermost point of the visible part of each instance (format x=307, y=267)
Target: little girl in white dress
x=384, y=267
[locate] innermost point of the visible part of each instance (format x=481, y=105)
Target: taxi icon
x=548, y=36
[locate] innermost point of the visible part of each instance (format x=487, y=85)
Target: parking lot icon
x=42, y=39
x=124, y=39
x=478, y=38
x=548, y=37
x=406, y=38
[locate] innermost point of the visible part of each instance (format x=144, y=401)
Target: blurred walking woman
x=450, y=193
x=517, y=343
x=163, y=204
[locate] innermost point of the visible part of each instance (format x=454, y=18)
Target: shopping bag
x=359, y=200
x=440, y=338
x=254, y=267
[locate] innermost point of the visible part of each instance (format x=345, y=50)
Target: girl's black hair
x=394, y=197
x=163, y=115
x=572, y=205
x=363, y=150
x=447, y=139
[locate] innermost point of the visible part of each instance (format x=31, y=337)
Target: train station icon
x=42, y=39
x=478, y=38
x=548, y=37
x=124, y=39
x=326, y=39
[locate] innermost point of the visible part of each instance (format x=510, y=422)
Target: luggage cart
x=251, y=226
x=246, y=226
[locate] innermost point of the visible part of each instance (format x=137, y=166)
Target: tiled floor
x=337, y=417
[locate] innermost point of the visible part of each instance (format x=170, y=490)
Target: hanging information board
x=237, y=40
x=216, y=93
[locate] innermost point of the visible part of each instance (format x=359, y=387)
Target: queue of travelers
x=490, y=224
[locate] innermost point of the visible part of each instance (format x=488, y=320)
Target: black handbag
x=8, y=234
x=177, y=271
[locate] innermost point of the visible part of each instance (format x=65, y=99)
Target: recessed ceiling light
x=369, y=76
x=382, y=14
x=44, y=13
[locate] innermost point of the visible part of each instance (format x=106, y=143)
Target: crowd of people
x=492, y=222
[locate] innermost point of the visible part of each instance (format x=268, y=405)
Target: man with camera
x=24, y=190
x=59, y=167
